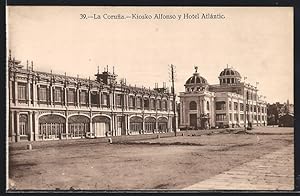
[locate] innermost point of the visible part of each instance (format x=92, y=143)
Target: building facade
x=47, y=106
x=286, y=120
x=231, y=103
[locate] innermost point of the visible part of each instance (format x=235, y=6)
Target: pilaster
x=34, y=94
x=28, y=92
x=67, y=126
x=77, y=96
x=89, y=96
x=51, y=95
x=12, y=122
x=16, y=92
x=65, y=96
x=17, y=126
x=99, y=97
x=30, y=126
x=36, y=127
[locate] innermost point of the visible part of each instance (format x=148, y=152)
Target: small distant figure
x=29, y=147
x=257, y=139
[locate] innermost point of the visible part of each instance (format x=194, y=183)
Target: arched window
x=193, y=105
x=207, y=105
x=131, y=101
x=152, y=104
x=23, y=124
x=158, y=104
x=139, y=102
x=146, y=103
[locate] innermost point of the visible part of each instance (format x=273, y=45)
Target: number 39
x=82, y=16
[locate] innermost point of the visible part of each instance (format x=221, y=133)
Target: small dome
x=196, y=82
x=230, y=72
x=196, y=79
x=229, y=76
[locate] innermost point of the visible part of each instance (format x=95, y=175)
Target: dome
x=196, y=79
x=230, y=72
x=229, y=76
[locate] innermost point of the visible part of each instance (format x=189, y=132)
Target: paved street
x=273, y=171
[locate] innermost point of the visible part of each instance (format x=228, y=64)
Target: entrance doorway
x=101, y=126
x=193, y=121
x=51, y=127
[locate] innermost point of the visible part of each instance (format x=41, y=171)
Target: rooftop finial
x=196, y=69
x=107, y=68
x=98, y=69
x=27, y=65
x=113, y=69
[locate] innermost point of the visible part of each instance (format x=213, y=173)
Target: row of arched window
x=69, y=97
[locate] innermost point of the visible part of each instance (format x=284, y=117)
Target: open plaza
x=215, y=159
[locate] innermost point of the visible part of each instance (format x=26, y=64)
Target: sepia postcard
x=106, y=98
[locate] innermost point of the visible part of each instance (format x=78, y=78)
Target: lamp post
x=174, y=99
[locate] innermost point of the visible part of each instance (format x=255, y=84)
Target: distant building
x=231, y=103
x=47, y=106
x=286, y=120
x=276, y=110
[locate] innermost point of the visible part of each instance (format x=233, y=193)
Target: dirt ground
x=186, y=160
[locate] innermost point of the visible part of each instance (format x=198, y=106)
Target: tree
x=272, y=113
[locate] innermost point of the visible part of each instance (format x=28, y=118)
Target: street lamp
x=174, y=99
